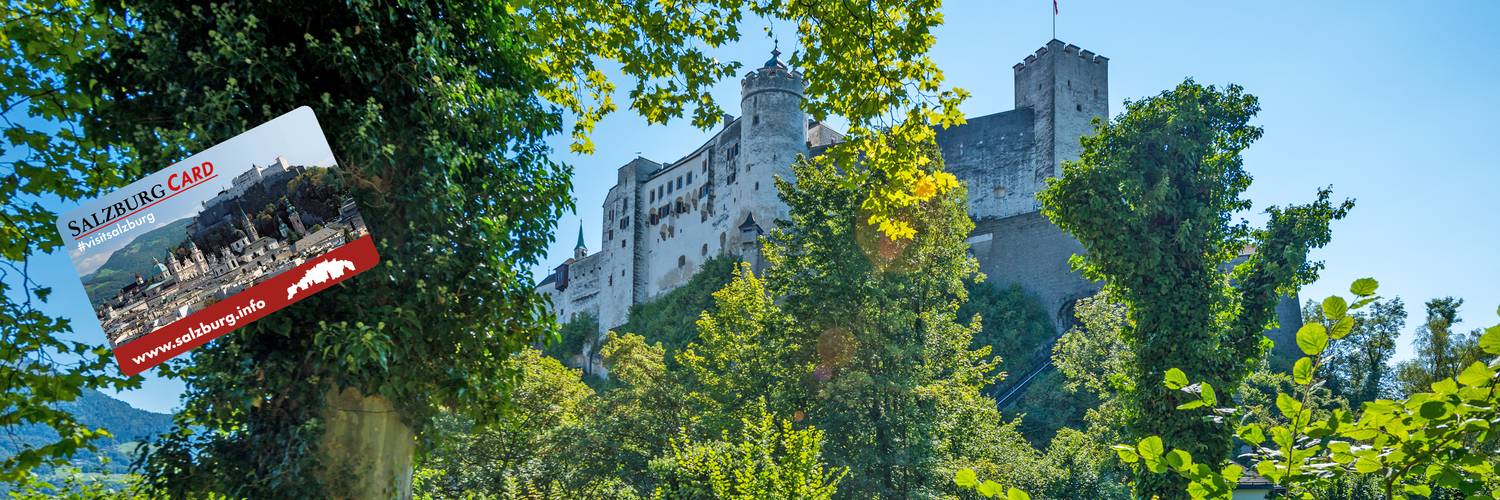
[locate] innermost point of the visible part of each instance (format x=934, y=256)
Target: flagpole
x=1054, y=19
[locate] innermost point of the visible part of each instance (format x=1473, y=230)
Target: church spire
x=580, y=249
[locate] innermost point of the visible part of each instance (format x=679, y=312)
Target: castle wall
x=983, y=153
x=1028, y=250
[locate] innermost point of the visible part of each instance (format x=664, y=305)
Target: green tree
x=44, y=156
x=1359, y=370
x=895, y=376
x=526, y=445
x=631, y=422
x=1016, y=327
x=1440, y=351
x=577, y=334
x=1152, y=199
x=770, y=459
x=1436, y=444
x=671, y=318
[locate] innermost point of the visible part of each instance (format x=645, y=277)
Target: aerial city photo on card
x=217, y=241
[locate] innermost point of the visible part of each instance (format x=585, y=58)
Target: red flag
x=1054, y=7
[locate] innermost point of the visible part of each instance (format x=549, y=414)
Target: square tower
x=1066, y=88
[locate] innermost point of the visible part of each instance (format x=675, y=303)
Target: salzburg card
x=217, y=241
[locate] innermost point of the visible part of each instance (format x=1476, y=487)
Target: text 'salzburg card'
x=217, y=241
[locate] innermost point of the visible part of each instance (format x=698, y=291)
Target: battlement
x=1068, y=50
x=778, y=79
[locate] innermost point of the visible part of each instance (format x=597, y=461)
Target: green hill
x=134, y=257
x=128, y=425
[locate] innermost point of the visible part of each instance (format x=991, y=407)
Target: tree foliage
x=1438, y=443
x=1359, y=370
x=1441, y=352
x=769, y=459
x=45, y=156
x=1152, y=199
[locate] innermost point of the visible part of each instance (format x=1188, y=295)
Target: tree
x=1151, y=198
x=770, y=459
x=576, y=335
x=1358, y=370
x=44, y=155
x=1431, y=444
x=896, y=378
x=1440, y=351
x=526, y=445
x=671, y=318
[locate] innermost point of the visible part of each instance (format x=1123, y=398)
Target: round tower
x=773, y=131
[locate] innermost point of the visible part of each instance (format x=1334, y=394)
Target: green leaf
x=1342, y=327
x=1312, y=338
x=1196, y=403
x=1016, y=494
x=1334, y=307
x=1209, y=397
x=1178, y=459
x=1490, y=342
x=1288, y=406
x=1364, y=287
x=1475, y=375
x=1433, y=410
x=1302, y=371
x=1252, y=434
x=990, y=489
x=966, y=478
x=1445, y=386
x=1367, y=464
x=1127, y=453
x=1175, y=379
x=1151, y=447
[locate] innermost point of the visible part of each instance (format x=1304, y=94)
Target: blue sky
x=1390, y=103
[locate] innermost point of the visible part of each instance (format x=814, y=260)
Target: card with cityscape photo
x=217, y=241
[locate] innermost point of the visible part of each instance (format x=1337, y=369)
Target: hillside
x=134, y=257
x=129, y=426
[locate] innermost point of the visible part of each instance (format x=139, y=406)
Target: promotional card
x=217, y=241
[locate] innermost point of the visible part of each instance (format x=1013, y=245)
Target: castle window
x=690, y=178
x=757, y=186
x=622, y=245
x=1078, y=107
x=722, y=238
x=705, y=249
x=681, y=261
x=1070, y=84
x=653, y=195
x=679, y=182
x=755, y=120
x=611, y=280
x=610, y=236
x=669, y=187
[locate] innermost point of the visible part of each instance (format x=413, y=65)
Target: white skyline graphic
x=322, y=272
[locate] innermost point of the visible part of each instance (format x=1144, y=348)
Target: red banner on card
x=310, y=277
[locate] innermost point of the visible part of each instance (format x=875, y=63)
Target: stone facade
x=662, y=220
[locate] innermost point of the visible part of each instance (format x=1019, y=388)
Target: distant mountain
x=128, y=425
x=134, y=257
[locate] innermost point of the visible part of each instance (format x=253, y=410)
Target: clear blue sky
x=1391, y=103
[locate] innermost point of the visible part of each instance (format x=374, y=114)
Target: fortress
x=662, y=220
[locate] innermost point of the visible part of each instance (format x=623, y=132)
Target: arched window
x=705, y=250
x=681, y=261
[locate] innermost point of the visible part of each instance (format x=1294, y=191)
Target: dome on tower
x=775, y=61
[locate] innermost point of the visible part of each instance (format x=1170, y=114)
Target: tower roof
x=580, y=238
x=775, y=61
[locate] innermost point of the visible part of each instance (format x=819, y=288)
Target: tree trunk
x=366, y=450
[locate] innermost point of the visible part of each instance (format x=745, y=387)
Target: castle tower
x=773, y=131
x=1066, y=88
x=580, y=250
